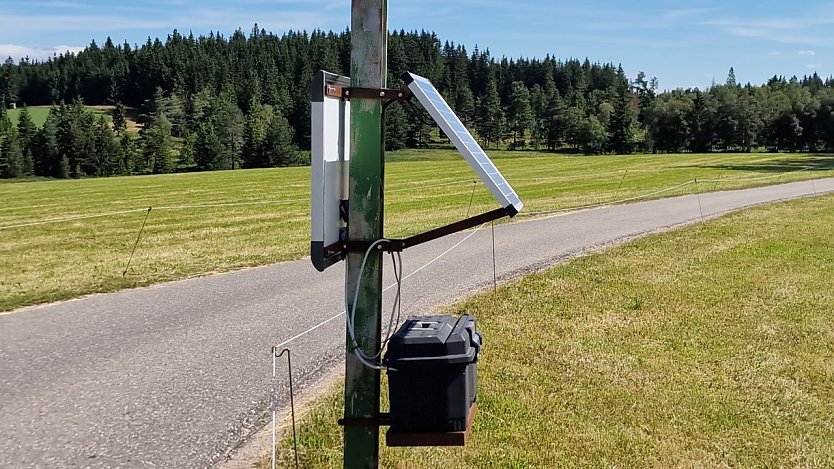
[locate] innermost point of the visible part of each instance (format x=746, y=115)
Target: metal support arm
x=399, y=245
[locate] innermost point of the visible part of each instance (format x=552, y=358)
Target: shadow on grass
x=813, y=162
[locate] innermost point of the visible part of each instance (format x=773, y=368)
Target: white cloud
x=774, y=53
x=813, y=66
x=687, y=12
x=16, y=51
x=798, y=30
x=225, y=20
x=808, y=53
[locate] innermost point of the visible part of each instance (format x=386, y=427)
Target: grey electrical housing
x=432, y=373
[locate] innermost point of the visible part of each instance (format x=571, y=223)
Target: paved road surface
x=175, y=375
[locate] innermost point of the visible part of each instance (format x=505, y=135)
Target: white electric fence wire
x=602, y=204
x=423, y=187
x=279, y=202
x=424, y=266
x=135, y=210
x=757, y=178
x=80, y=217
x=443, y=254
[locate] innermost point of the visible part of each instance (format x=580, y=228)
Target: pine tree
x=5, y=122
x=107, y=149
x=278, y=146
x=520, y=114
x=700, y=124
x=553, y=116
x=727, y=116
x=490, y=116
x=27, y=131
x=188, y=153
x=46, y=151
x=396, y=122
x=233, y=127
x=574, y=120
x=157, y=146
x=119, y=118
x=8, y=83
x=128, y=154
x=11, y=155
x=621, y=125
x=62, y=168
x=731, y=77
x=209, y=150
x=465, y=105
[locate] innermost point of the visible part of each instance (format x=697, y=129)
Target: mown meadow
x=61, y=239
x=649, y=355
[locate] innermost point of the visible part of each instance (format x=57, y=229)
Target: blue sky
x=683, y=44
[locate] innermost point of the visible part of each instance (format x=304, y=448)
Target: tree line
x=213, y=102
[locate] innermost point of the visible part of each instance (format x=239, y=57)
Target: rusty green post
x=368, y=63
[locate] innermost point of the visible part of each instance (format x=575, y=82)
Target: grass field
x=39, y=114
x=211, y=222
x=649, y=355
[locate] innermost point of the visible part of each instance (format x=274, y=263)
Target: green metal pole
x=368, y=68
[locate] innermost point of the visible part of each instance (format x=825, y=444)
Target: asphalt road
x=176, y=375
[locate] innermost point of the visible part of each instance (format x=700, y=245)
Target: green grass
x=38, y=114
x=708, y=346
x=189, y=234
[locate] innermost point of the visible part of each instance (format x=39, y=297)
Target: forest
x=213, y=102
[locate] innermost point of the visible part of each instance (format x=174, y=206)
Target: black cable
x=418, y=114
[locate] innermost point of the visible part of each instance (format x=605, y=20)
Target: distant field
x=709, y=346
x=39, y=114
x=212, y=222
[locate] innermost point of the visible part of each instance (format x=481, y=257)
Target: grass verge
x=707, y=346
x=213, y=222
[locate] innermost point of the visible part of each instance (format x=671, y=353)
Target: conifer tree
x=128, y=154
x=520, y=113
x=554, y=116
x=396, y=122
x=119, y=118
x=209, y=150
x=107, y=149
x=490, y=116
x=157, y=148
x=700, y=122
x=621, y=124
x=279, y=149
x=46, y=152
x=11, y=155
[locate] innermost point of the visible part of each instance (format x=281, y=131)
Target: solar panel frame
x=465, y=143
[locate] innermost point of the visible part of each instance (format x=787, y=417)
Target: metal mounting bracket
x=383, y=94
x=399, y=245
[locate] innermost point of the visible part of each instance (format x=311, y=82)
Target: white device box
x=330, y=155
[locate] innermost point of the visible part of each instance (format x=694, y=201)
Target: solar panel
x=451, y=125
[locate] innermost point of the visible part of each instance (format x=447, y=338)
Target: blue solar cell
x=433, y=101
